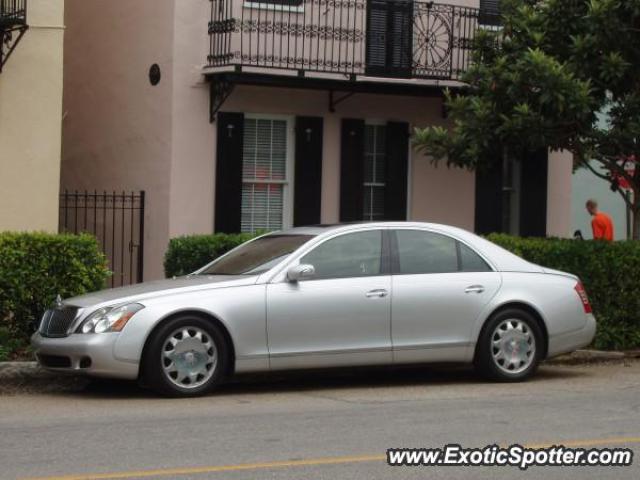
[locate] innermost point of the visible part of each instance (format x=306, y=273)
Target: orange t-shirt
x=602, y=227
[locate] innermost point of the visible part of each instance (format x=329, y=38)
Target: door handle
x=474, y=289
x=379, y=293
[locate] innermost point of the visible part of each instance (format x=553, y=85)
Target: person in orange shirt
x=601, y=223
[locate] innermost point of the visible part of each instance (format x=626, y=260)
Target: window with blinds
x=264, y=174
x=374, y=171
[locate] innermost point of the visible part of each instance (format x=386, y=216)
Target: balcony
x=349, y=40
x=13, y=25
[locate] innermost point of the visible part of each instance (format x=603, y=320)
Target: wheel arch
x=207, y=316
x=527, y=307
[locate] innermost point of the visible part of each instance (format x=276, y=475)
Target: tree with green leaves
x=543, y=80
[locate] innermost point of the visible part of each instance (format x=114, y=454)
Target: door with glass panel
x=339, y=316
x=440, y=286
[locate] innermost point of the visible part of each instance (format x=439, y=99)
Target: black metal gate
x=117, y=221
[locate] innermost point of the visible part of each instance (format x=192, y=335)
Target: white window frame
x=288, y=186
x=270, y=6
x=374, y=123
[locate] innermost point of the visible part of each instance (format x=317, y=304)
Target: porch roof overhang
x=222, y=83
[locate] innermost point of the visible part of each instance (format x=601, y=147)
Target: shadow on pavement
x=318, y=380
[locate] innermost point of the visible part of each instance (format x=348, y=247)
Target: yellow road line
x=301, y=463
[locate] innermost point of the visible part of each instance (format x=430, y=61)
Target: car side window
x=351, y=255
x=426, y=252
x=470, y=261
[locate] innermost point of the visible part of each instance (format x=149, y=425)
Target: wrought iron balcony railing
x=13, y=25
x=376, y=38
x=12, y=13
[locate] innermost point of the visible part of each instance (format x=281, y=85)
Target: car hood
x=141, y=291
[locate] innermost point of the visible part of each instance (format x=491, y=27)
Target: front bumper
x=89, y=354
x=571, y=341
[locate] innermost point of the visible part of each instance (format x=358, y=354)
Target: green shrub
x=10, y=345
x=34, y=269
x=189, y=253
x=610, y=273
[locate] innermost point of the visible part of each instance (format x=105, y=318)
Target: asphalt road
x=326, y=425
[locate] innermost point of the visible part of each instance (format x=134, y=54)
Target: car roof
x=325, y=228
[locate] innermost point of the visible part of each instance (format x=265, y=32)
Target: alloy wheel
x=189, y=357
x=513, y=346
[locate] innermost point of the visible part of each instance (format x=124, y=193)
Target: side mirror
x=300, y=271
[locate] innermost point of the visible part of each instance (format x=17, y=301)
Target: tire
x=510, y=346
x=185, y=357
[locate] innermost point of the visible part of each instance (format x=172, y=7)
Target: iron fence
x=117, y=221
x=404, y=38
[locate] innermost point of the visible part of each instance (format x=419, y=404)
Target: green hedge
x=610, y=273
x=189, y=253
x=34, y=268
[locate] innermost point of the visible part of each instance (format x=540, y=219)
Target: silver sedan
x=325, y=296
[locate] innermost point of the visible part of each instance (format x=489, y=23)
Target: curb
x=581, y=357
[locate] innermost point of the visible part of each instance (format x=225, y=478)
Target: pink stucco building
x=245, y=115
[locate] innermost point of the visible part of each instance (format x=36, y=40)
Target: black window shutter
x=229, y=172
x=377, y=26
x=401, y=30
x=308, y=171
x=489, y=12
x=533, y=195
x=389, y=38
x=351, y=170
x=395, y=193
x=489, y=200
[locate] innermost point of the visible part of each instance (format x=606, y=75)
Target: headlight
x=109, y=319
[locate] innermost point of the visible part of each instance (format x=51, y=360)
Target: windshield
x=258, y=256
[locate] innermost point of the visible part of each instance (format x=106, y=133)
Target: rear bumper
x=88, y=354
x=571, y=341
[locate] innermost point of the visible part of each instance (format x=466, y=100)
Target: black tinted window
x=426, y=252
x=351, y=255
x=470, y=261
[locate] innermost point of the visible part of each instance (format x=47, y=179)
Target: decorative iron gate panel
x=117, y=221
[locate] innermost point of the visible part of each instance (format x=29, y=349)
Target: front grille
x=57, y=321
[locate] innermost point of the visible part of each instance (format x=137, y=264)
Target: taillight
x=583, y=297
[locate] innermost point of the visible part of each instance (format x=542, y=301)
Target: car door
x=440, y=286
x=340, y=315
